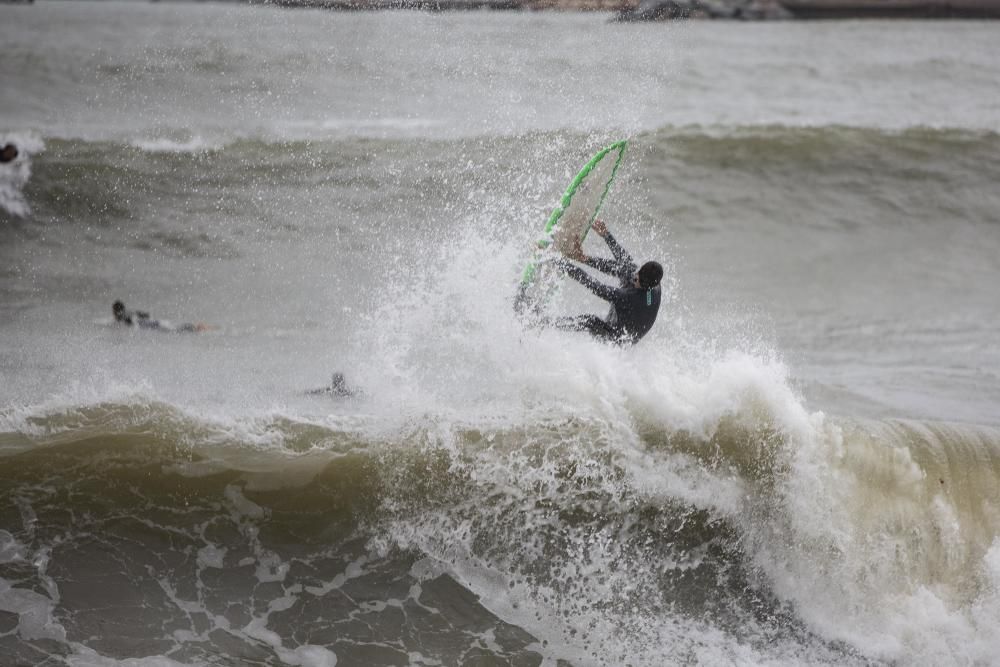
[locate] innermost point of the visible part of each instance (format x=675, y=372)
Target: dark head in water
x=649, y=275
x=338, y=387
x=8, y=153
x=118, y=308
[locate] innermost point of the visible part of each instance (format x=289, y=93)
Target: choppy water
x=800, y=464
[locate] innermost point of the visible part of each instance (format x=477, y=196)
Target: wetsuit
x=138, y=318
x=633, y=309
x=338, y=387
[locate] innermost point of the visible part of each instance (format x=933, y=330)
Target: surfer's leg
x=592, y=324
x=577, y=323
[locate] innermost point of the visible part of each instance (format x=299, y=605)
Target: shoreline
x=665, y=10
x=636, y=11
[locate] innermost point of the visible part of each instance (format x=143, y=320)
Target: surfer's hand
x=577, y=254
x=599, y=227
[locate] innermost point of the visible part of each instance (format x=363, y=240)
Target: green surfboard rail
x=529, y=271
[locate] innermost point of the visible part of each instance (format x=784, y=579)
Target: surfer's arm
x=622, y=258
x=622, y=265
x=601, y=290
x=603, y=264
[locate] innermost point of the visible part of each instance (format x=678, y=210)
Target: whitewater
x=800, y=464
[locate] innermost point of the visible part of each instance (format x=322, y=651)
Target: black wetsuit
x=138, y=318
x=633, y=309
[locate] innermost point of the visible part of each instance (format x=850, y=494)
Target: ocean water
x=799, y=465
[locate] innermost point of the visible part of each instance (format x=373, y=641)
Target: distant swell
x=80, y=182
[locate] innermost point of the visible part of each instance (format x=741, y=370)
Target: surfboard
x=568, y=225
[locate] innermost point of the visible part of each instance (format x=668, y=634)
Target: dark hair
x=117, y=308
x=650, y=275
x=8, y=153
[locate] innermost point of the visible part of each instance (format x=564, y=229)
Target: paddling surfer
x=142, y=320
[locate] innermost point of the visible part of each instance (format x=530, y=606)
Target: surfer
x=634, y=303
x=142, y=320
x=338, y=387
x=8, y=153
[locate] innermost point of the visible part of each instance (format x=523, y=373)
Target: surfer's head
x=650, y=275
x=8, y=153
x=118, y=308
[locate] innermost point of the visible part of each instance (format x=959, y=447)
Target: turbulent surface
x=799, y=465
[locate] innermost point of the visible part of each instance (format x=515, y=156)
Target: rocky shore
x=664, y=10
x=822, y=9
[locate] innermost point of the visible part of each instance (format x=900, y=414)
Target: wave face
x=800, y=464
x=754, y=531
